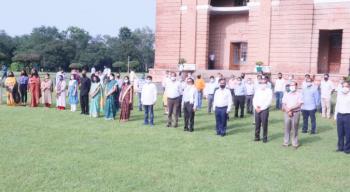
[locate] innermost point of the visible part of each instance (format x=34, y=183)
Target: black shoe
x=176, y=125
x=236, y=116
x=347, y=152
x=264, y=140
x=304, y=131
x=168, y=125
x=313, y=133
x=185, y=129
x=223, y=135
x=191, y=130
x=257, y=139
x=339, y=150
x=241, y=117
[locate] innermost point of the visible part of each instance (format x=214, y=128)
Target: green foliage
x=182, y=61
x=51, y=48
x=259, y=63
x=16, y=66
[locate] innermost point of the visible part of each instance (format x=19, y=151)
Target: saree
x=110, y=105
x=34, y=89
x=95, y=93
x=46, y=87
x=10, y=83
x=125, y=101
x=73, y=92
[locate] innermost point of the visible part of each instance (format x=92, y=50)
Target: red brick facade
x=308, y=36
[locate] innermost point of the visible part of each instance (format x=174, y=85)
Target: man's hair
x=149, y=77
x=199, y=76
x=190, y=79
x=211, y=77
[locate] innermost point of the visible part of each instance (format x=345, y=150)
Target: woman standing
x=23, y=86
x=73, y=93
x=61, y=93
x=46, y=89
x=10, y=84
x=110, y=105
x=95, y=95
x=34, y=88
x=126, y=99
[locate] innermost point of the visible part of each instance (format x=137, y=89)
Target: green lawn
x=48, y=150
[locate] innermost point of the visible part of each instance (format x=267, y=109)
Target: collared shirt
x=232, y=84
x=343, y=104
x=280, y=85
x=311, y=98
x=250, y=88
x=292, y=99
x=262, y=98
x=190, y=95
x=223, y=98
x=240, y=90
x=149, y=94
x=326, y=89
x=210, y=88
x=23, y=80
x=173, y=89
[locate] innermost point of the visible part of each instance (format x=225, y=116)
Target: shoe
x=257, y=139
x=339, y=150
x=312, y=133
x=241, y=117
x=347, y=152
x=285, y=145
x=296, y=146
x=304, y=131
x=168, y=125
x=185, y=129
x=176, y=125
x=191, y=130
x=223, y=135
x=264, y=140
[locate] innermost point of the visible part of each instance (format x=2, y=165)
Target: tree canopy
x=51, y=48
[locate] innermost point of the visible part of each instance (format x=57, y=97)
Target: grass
x=47, y=150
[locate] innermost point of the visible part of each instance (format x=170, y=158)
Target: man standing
x=222, y=106
x=200, y=85
x=342, y=115
x=310, y=101
x=326, y=96
x=189, y=104
x=280, y=87
x=211, y=61
x=292, y=103
x=140, y=84
x=148, y=100
x=210, y=90
x=240, y=92
x=261, y=102
x=249, y=85
x=173, y=92
x=85, y=84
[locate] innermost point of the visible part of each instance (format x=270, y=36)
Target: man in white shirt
x=189, y=104
x=173, y=92
x=262, y=102
x=249, y=85
x=148, y=100
x=222, y=105
x=209, y=91
x=326, y=96
x=280, y=87
x=292, y=102
x=342, y=115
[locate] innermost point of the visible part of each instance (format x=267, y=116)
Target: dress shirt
x=173, y=89
x=249, y=88
x=262, y=98
x=292, y=99
x=311, y=98
x=240, y=90
x=149, y=94
x=280, y=85
x=326, y=89
x=210, y=88
x=343, y=104
x=222, y=98
x=190, y=95
x=232, y=83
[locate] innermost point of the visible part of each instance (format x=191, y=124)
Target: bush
x=16, y=66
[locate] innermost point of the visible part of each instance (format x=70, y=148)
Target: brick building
x=299, y=36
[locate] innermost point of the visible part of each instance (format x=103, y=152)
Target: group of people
x=107, y=93
x=256, y=95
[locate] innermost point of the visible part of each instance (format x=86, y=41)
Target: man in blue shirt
x=311, y=99
x=239, y=100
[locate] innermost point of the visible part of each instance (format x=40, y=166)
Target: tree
x=27, y=58
x=7, y=47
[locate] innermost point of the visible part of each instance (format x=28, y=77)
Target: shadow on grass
x=310, y=139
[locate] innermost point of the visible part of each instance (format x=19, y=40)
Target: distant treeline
x=48, y=48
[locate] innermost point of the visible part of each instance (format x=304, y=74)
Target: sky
x=103, y=17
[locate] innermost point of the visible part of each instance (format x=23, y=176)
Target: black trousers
x=249, y=100
x=261, y=119
x=23, y=89
x=84, y=104
x=239, y=102
x=189, y=116
x=173, y=108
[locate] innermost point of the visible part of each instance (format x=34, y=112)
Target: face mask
x=279, y=77
x=292, y=88
x=222, y=86
x=148, y=81
x=126, y=81
x=345, y=90
x=212, y=80
x=326, y=78
x=173, y=78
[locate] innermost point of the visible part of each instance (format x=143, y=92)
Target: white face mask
x=126, y=81
x=173, y=78
x=345, y=90
x=292, y=88
x=212, y=80
x=148, y=81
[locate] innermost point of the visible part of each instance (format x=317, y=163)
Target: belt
x=173, y=98
x=221, y=107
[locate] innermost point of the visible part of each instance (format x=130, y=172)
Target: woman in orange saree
x=34, y=88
